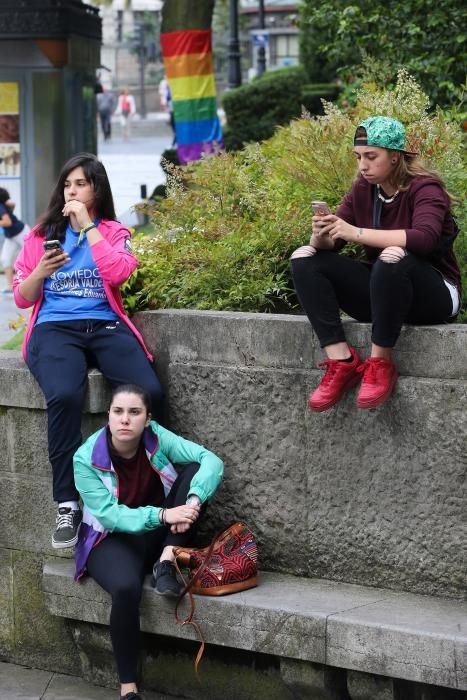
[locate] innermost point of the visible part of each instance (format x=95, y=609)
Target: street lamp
x=261, y=48
x=235, y=74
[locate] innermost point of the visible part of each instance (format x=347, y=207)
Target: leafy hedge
x=254, y=110
x=223, y=236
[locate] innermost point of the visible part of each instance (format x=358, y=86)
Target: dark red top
x=138, y=483
x=423, y=210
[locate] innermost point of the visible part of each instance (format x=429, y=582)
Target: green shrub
x=223, y=236
x=313, y=94
x=255, y=110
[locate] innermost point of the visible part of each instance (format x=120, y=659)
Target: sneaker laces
x=165, y=567
x=64, y=519
x=331, y=369
x=370, y=369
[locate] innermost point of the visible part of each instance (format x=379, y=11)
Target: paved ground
x=19, y=683
x=133, y=163
x=8, y=312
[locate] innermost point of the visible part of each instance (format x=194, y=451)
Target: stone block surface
x=416, y=638
x=307, y=680
x=363, y=686
x=373, y=497
x=421, y=641
x=6, y=602
x=19, y=388
x=287, y=341
x=27, y=513
x=39, y=639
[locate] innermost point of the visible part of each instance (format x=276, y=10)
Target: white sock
x=74, y=505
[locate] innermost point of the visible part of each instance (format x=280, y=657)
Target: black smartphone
x=53, y=245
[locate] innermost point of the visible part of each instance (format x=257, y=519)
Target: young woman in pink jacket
x=69, y=271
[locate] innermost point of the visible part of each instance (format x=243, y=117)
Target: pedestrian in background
x=70, y=271
x=13, y=237
x=126, y=108
x=166, y=102
x=105, y=108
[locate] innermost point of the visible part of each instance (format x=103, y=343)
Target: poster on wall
x=10, y=152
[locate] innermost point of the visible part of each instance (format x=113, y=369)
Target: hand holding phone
x=320, y=208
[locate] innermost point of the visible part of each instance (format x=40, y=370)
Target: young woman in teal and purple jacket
x=70, y=270
x=137, y=508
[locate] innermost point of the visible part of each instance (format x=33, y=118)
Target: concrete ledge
x=417, y=638
x=18, y=387
x=283, y=341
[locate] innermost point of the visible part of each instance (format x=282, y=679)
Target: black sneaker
x=67, y=526
x=131, y=696
x=164, y=579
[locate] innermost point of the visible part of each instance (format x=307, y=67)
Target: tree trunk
x=180, y=15
x=186, y=44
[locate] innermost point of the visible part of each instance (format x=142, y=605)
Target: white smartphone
x=320, y=208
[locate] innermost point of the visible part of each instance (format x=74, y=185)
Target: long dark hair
x=4, y=195
x=52, y=224
x=132, y=389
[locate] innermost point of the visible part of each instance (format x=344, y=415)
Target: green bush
x=255, y=110
x=223, y=236
x=313, y=94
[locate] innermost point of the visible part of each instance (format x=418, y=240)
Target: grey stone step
x=417, y=638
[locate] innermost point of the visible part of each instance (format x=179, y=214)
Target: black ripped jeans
x=386, y=293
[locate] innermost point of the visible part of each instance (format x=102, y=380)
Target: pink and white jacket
x=114, y=261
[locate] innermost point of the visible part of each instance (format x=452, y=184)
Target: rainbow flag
x=188, y=64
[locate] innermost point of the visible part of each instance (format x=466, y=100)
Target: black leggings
x=386, y=293
x=119, y=564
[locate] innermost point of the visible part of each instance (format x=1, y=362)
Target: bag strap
x=377, y=209
x=188, y=620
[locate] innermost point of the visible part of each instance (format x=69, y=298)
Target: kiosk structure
x=49, y=53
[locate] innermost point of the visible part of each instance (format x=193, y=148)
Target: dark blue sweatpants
x=59, y=355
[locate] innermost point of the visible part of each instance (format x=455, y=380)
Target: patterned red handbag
x=228, y=565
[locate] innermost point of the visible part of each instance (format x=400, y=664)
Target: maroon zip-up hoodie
x=423, y=210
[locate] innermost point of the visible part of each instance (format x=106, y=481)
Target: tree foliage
x=428, y=37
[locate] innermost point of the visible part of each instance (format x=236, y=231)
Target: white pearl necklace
x=386, y=200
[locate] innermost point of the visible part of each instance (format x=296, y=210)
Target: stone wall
x=370, y=497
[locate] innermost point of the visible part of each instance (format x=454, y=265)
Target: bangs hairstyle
x=132, y=389
x=53, y=224
x=406, y=169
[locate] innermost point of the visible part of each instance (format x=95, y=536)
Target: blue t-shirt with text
x=76, y=290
